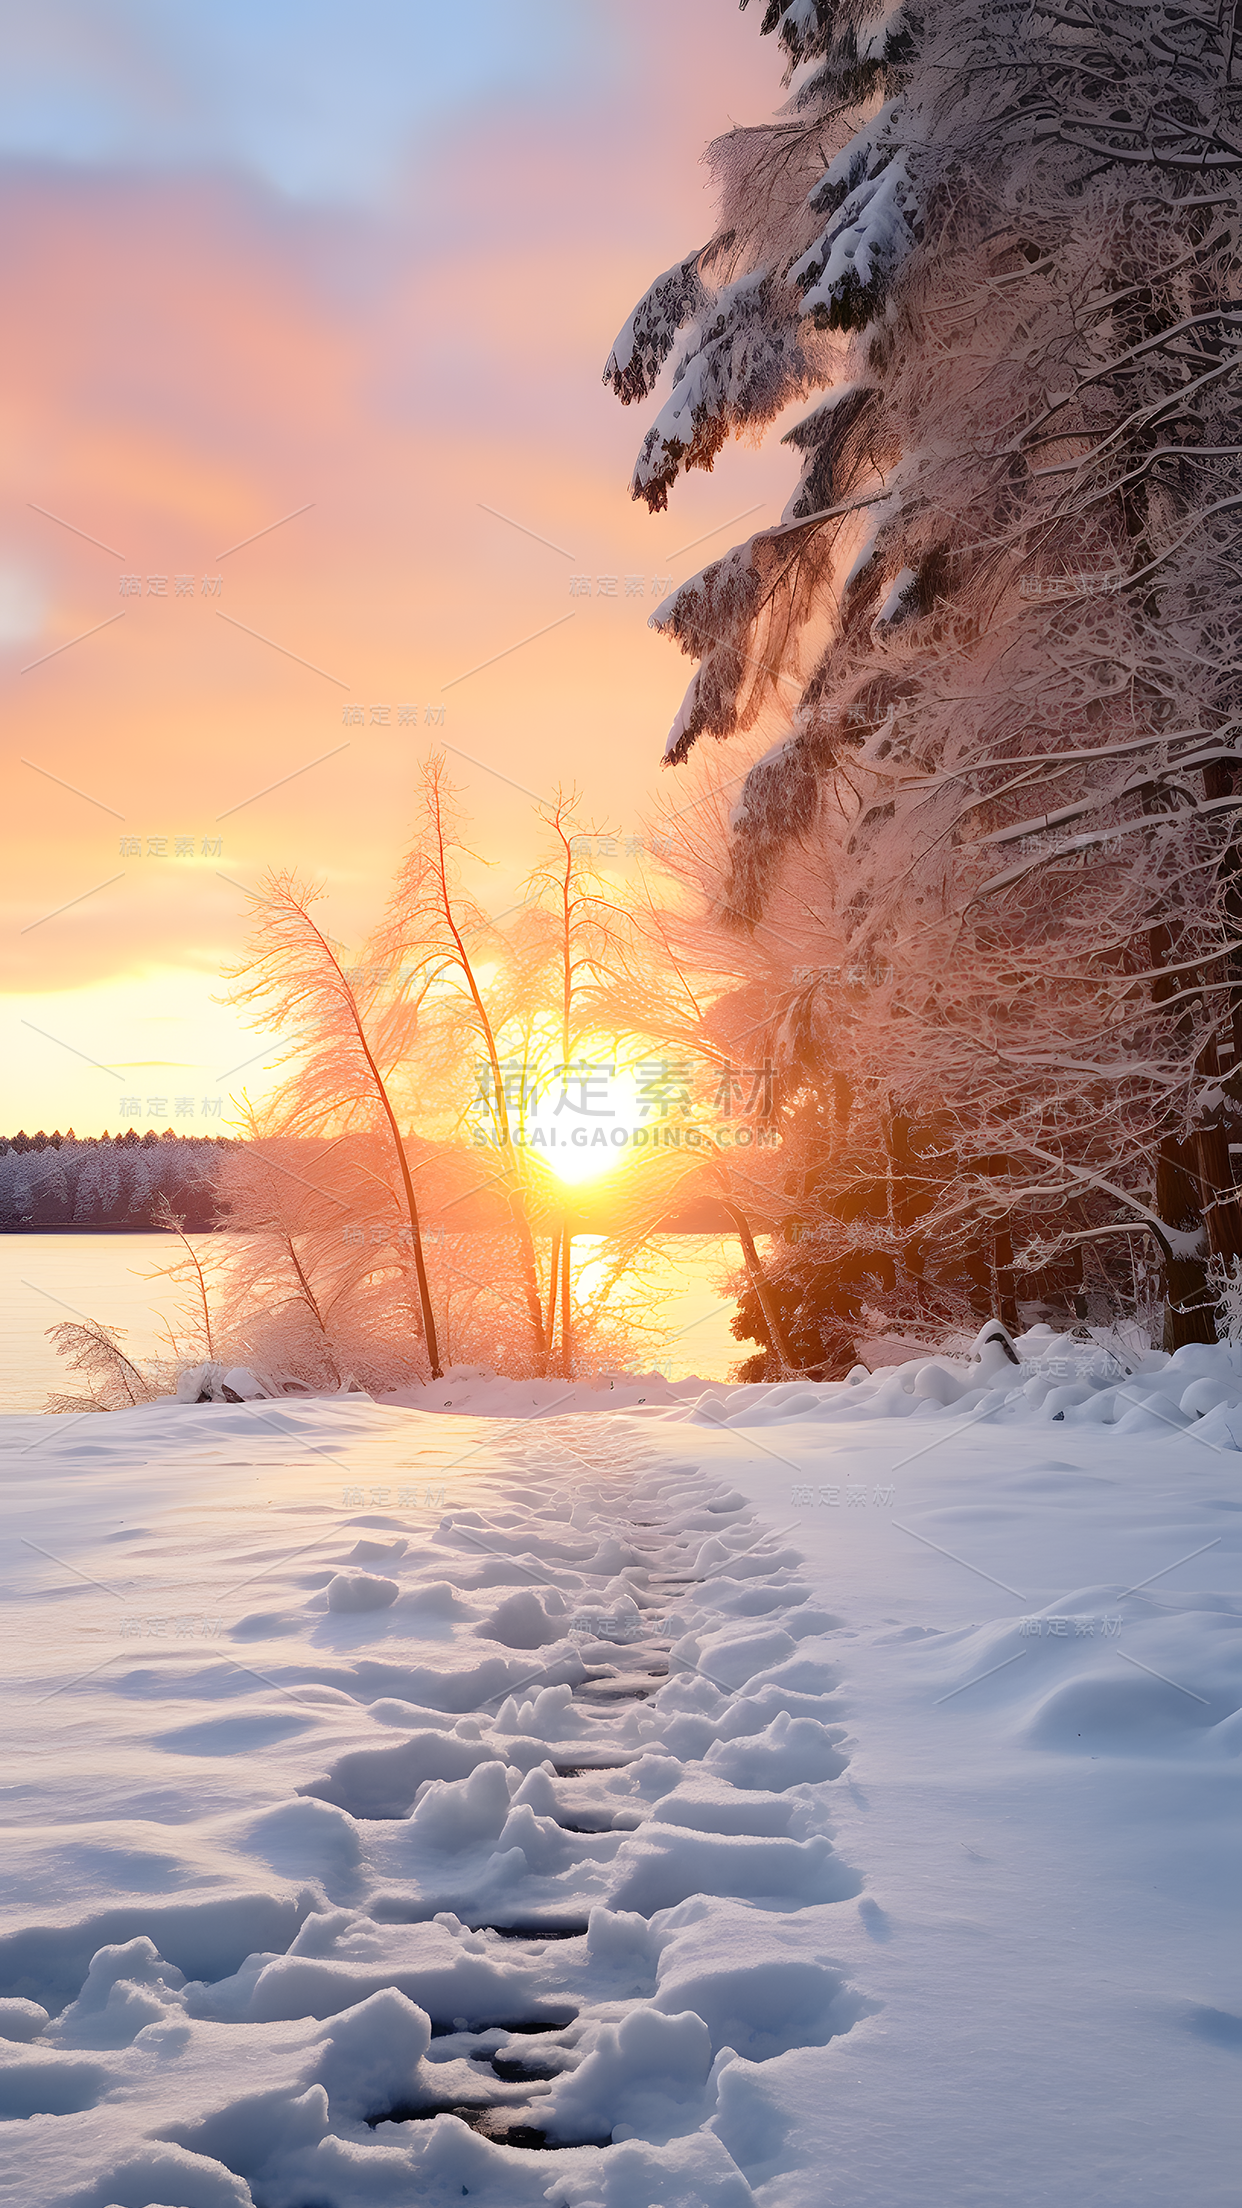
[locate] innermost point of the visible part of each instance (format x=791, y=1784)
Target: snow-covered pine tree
x=984, y=859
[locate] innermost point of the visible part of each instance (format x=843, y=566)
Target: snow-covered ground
x=630, y=1797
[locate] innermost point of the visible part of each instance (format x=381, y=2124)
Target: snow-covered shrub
x=113, y=1381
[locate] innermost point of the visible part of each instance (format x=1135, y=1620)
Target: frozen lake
x=115, y=1279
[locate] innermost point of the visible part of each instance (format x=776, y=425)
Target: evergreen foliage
x=112, y=1182
x=984, y=671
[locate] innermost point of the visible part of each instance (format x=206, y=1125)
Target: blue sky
x=324, y=101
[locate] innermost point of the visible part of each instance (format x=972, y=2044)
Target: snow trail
x=505, y=1869
x=402, y=1803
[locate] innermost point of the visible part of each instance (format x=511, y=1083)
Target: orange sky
x=194, y=354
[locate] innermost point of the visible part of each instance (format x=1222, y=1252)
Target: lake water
x=114, y=1278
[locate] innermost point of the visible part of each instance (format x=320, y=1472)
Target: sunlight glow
x=588, y=1124
x=597, y=1117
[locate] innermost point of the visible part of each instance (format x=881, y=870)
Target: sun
x=603, y=1114
x=589, y=1126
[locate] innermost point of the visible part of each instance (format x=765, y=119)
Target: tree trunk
x=567, y=1367
x=1188, y=1311
x=977, y=1267
x=411, y=1205
x=1221, y=1215
x=530, y=1275
x=553, y=1270
x=1219, y=1197
x=758, y=1281
x=1006, y=1285
x=1180, y=1190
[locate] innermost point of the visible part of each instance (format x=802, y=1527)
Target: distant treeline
x=109, y=1183
x=105, y=1182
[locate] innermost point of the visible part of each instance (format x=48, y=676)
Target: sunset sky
x=365, y=261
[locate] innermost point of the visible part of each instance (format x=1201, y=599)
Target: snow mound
x=1096, y=1379
x=357, y=1591
x=788, y=1752
x=372, y=2054
x=648, y=2073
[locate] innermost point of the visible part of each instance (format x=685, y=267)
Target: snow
x=878, y=34
x=801, y=1794
x=867, y=192
x=648, y=336
x=361, y=1591
x=736, y=367
x=900, y=598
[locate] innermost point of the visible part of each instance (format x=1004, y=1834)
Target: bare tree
x=190, y=1270
x=584, y=954
x=430, y=933
x=528, y=992
x=352, y=1039
x=114, y=1382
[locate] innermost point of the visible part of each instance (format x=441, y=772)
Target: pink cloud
x=195, y=360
